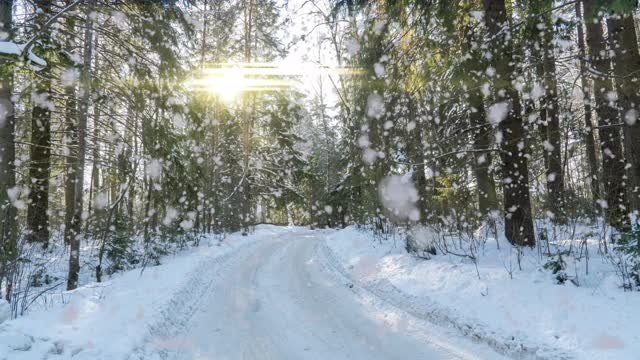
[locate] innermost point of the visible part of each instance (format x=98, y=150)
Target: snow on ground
x=522, y=312
x=5, y=310
x=108, y=320
x=281, y=299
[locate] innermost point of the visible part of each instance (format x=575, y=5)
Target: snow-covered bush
x=557, y=266
x=421, y=241
x=121, y=251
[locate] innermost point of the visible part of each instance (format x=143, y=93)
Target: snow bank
x=521, y=312
x=108, y=320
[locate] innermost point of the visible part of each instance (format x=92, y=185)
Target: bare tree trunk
x=555, y=174
x=8, y=228
x=624, y=43
x=133, y=168
x=487, y=196
x=613, y=164
x=517, y=203
x=70, y=142
x=588, y=138
x=247, y=211
x=542, y=51
x=417, y=156
x=147, y=211
x=85, y=83
x=40, y=159
x=94, y=183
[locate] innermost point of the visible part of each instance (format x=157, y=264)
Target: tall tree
x=624, y=43
x=615, y=202
x=8, y=226
x=83, y=115
x=588, y=136
x=40, y=159
x=541, y=12
x=248, y=117
x=508, y=112
x=472, y=69
x=70, y=139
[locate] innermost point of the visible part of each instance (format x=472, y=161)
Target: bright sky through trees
x=231, y=80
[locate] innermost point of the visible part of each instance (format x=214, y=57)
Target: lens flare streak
x=232, y=79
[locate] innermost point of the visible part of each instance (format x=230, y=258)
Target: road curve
x=277, y=300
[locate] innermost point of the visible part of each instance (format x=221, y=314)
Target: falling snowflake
x=399, y=196
x=154, y=169
x=375, y=106
x=496, y=113
x=631, y=116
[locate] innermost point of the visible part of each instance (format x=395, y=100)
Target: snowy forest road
x=280, y=300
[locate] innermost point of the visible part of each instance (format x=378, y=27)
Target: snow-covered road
x=280, y=299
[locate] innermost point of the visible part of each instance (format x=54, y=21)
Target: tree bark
x=541, y=46
x=94, y=183
x=624, y=43
x=555, y=174
x=487, y=196
x=248, y=122
x=517, y=204
x=417, y=156
x=588, y=137
x=8, y=228
x=613, y=164
x=83, y=114
x=71, y=142
x=40, y=157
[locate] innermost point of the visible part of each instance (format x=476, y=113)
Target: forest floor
x=293, y=293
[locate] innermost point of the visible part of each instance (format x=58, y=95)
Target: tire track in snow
x=165, y=336
x=426, y=309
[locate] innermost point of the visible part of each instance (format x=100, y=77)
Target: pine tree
x=517, y=205
x=40, y=149
x=588, y=136
x=626, y=67
x=8, y=211
x=83, y=115
x=615, y=203
x=543, y=43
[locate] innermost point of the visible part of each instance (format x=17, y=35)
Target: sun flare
x=230, y=80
